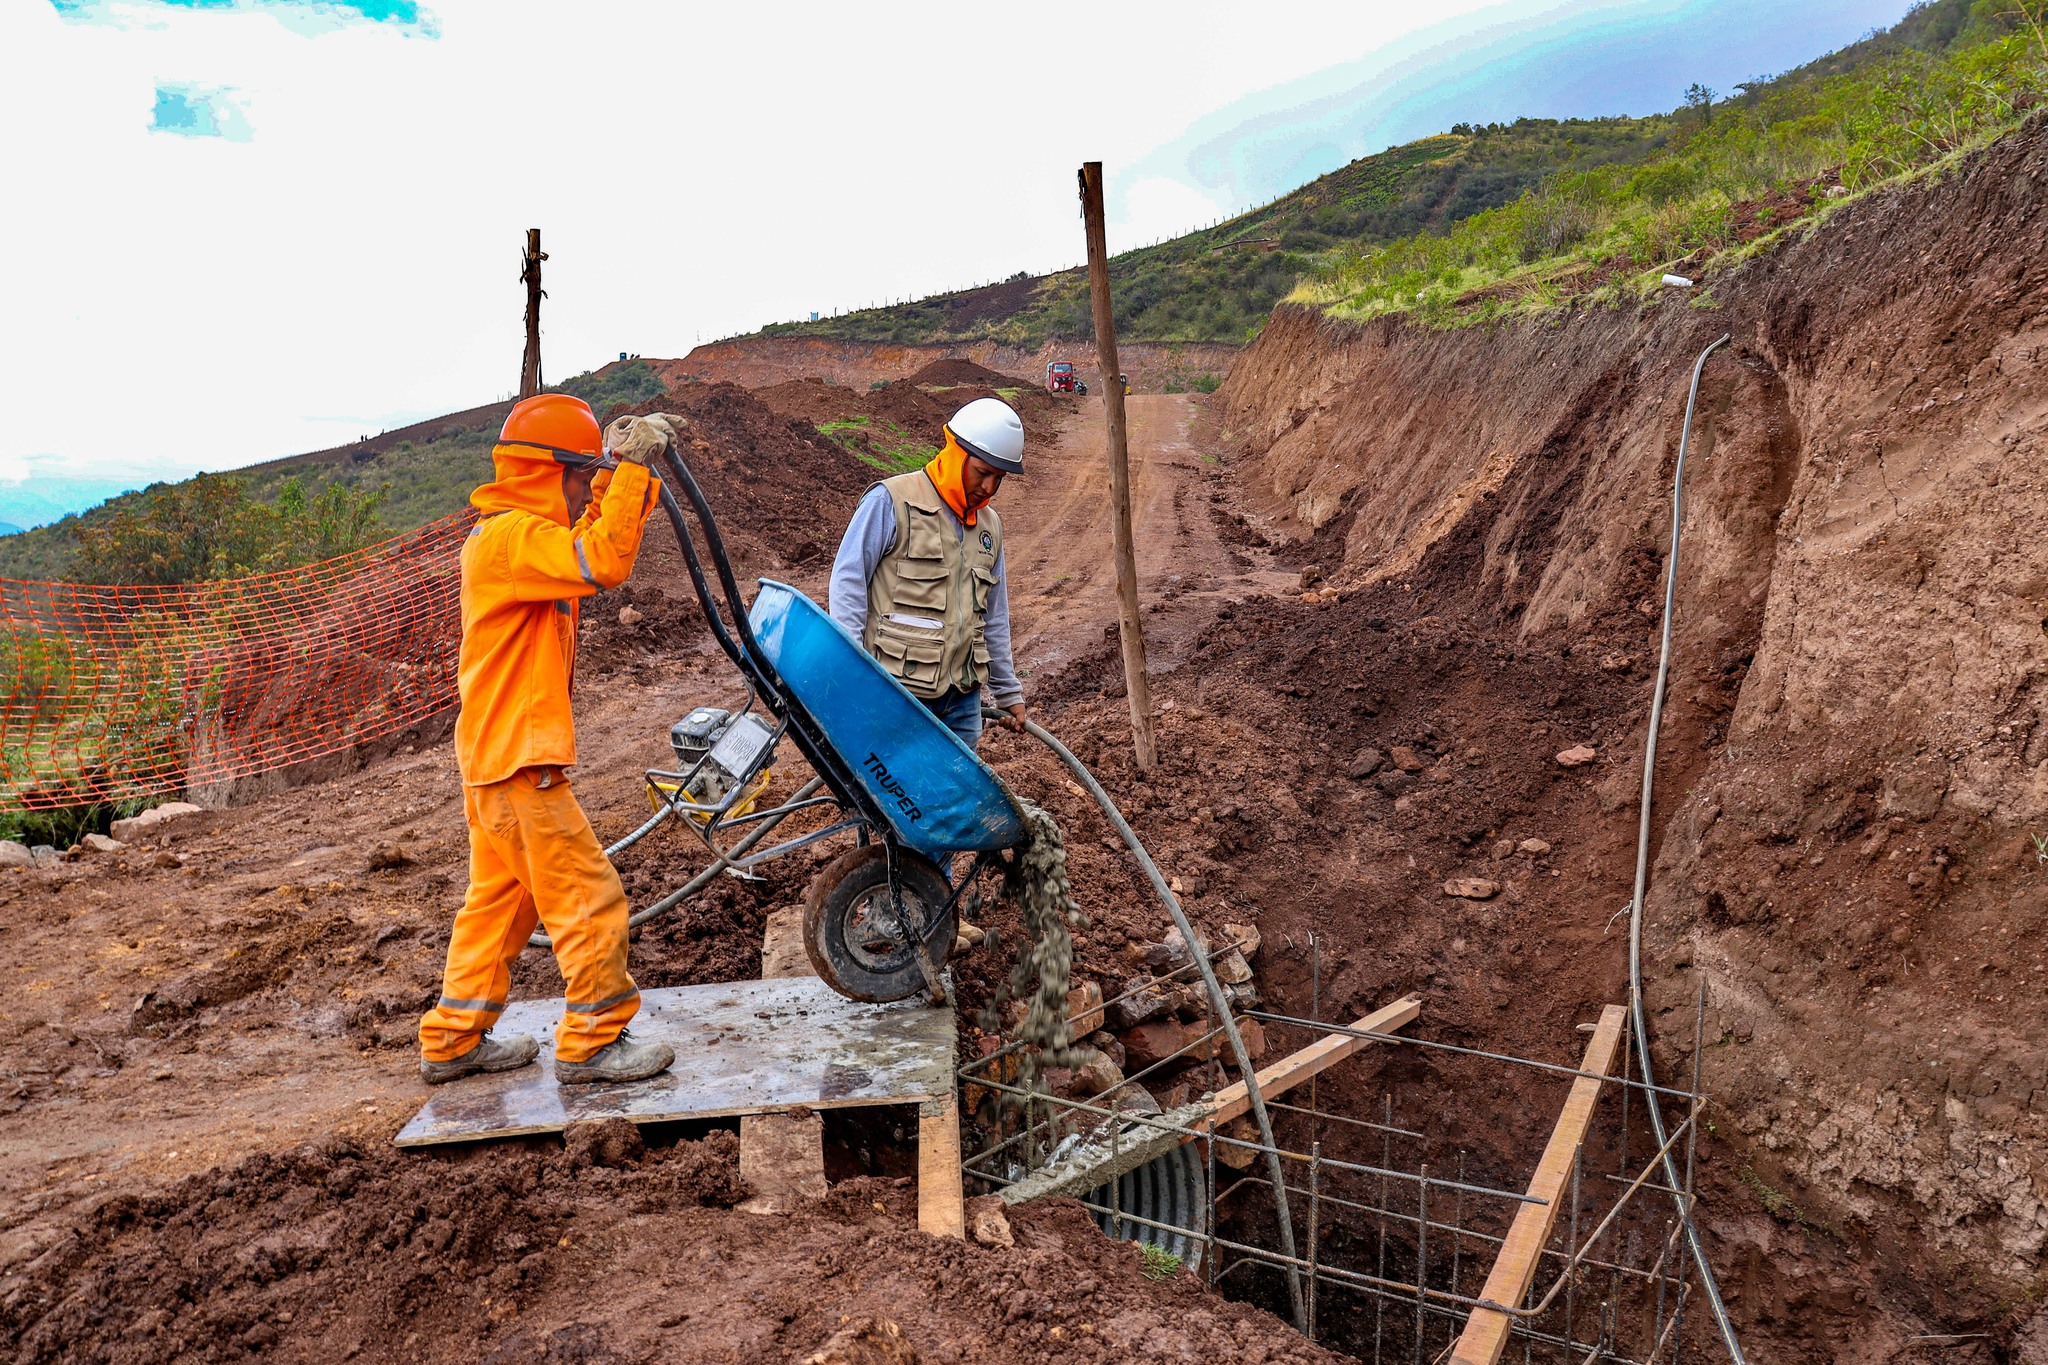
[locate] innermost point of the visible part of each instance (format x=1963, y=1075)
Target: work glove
x=636, y=440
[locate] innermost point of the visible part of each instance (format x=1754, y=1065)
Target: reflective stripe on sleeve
x=583, y=564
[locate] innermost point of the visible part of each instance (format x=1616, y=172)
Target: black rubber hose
x=1683, y=1198
x=1217, y=1001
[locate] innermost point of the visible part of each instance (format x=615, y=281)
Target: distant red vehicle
x=1060, y=377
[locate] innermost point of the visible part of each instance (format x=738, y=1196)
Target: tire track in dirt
x=1056, y=525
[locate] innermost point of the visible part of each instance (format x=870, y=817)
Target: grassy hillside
x=1728, y=180
x=1546, y=190
x=423, y=472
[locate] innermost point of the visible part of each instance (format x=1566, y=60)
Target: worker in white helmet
x=919, y=576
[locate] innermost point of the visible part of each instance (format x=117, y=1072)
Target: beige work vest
x=929, y=594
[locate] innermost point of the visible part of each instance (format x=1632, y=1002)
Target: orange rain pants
x=533, y=858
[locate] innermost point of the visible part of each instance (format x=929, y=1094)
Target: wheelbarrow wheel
x=851, y=932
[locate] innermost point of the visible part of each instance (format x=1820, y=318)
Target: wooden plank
x=1234, y=1100
x=1100, y=1160
x=1486, y=1331
x=941, y=1202
x=782, y=1156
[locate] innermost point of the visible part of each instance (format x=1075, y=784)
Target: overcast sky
x=243, y=228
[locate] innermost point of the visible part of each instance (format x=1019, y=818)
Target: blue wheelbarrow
x=880, y=920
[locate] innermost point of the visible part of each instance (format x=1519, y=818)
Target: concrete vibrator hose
x=1635, y=905
x=1217, y=1001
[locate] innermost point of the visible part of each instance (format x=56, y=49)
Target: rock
x=1535, y=848
x=1084, y=1008
x=100, y=843
x=864, y=1339
x=1246, y=937
x=986, y=1223
x=1143, y=998
x=1237, y=1158
x=1311, y=574
x=13, y=854
x=1232, y=969
x=1406, y=759
x=1106, y=1043
x=128, y=830
x=44, y=853
x=1148, y=1045
x=1254, y=1035
x=1244, y=997
x=1365, y=763
x=1472, y=888
x=386, y=857
x=1578, y=756
x=972, y=934
x=1167, y=956
x=1394, y=782
x=1616, y=663
x=1096, y=1075
x=629, y=616
x=961, y=946
x=1505, y=848
x=1173, y=885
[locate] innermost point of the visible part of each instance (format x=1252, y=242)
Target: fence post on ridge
x=1136, y=682
x=529, y=275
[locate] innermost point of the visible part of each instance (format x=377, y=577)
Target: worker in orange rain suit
x=538, y=546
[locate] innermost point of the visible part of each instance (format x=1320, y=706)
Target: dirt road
x=1056, y=524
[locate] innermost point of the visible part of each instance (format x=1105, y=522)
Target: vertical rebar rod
x=1379, y=1301
x=1211, y=1160
x=1458, y=1225
x=1315, y=1210
x=1315, y=1012
x=1571, y=1245
x=1116, y=1183
x=1421, y=1256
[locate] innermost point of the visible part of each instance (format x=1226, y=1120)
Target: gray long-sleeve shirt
x=870, y=536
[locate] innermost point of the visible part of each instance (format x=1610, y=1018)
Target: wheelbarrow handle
x=746, y=652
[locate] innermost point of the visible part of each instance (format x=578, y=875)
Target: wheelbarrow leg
x=938, y=986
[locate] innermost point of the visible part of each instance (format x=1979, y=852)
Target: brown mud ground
x=209, y=1042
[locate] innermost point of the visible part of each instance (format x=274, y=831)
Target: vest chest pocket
x=984, y=588
x=921, y=570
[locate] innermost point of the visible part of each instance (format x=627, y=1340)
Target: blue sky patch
x=303, y=15
x=199, y=111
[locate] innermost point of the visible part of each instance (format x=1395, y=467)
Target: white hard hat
x=989, y=429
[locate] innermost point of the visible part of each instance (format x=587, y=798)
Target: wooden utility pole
x=1136, y=682
x=529, y=275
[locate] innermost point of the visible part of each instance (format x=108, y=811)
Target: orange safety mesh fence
x=116, y=692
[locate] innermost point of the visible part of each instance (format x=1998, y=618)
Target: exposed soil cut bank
x=1855, y=755
x=761, y=361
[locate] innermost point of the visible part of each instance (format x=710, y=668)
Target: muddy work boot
x=622, y=1059
x=490, y=1054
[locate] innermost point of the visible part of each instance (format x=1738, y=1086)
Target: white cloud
x=698, y=170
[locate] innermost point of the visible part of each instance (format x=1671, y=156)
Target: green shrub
x=1205, y=383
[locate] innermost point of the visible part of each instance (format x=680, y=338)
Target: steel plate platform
x=744, y=1047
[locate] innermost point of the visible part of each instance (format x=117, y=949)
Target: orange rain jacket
x=523, y=569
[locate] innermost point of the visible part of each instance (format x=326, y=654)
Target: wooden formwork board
x=1486, y=1331
x=1102, y=1159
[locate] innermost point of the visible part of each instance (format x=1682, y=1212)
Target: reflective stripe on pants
x=533, y=858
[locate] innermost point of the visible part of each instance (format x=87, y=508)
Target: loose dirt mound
x=603, y=1248
x=889, y=422
x=954, y=373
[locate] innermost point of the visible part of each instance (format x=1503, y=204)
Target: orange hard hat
x=563, y=426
